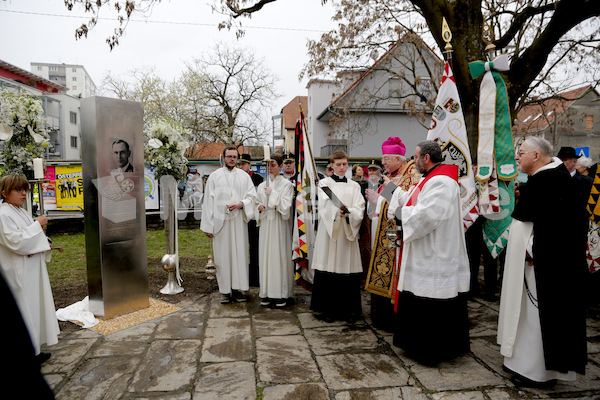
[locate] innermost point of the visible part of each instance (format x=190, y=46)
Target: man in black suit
x=121, y=154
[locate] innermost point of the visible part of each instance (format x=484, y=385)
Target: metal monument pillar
x=114, y=211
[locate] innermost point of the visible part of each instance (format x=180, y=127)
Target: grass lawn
x=69, y=267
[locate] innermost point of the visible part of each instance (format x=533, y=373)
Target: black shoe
x=325, y=318
x=281, y=303
x=239, y=297
x=42, y=357
x=521, y=381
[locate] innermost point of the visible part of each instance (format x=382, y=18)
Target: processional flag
x=303, y=235
x=496, y=165
x=449, y=130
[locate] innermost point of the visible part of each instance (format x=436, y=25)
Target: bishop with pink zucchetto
x=382, y=277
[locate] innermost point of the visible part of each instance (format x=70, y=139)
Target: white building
x=393, y=97
x=61, y=110
x=73, y=76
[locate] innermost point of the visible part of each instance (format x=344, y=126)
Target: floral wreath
x=165, y=145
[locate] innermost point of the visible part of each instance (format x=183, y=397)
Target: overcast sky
x=175, y=32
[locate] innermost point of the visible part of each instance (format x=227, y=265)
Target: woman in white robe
x=336, y=260
x=276, y=269
x=23, y=251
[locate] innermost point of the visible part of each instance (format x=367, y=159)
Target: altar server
x=336, y=261
x=276, y=269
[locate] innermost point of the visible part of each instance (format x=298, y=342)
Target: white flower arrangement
x=165, y=145
x=23, y=132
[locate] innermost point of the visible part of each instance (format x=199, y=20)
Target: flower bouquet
x=23, y=132
x=165, y=145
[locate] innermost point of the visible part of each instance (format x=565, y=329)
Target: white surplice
x=276, y=269
x=434, y=257
x=336, y=244
x=23, y=251
x=230, y=228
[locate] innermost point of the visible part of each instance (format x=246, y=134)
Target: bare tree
x=239, y=87
x=550, y=41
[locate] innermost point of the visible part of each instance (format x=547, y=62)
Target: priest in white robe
x=542, y=318
x=336, y=260
x=276, y=269
x=229, y=202
x=24, y=250
x=434, y=275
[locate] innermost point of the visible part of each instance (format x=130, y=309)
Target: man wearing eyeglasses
x=229, y=200
x=541, y=325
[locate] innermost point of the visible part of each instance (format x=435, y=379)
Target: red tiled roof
x=15, y=73
x=291, y=111
x=205, y=150
x=538, y=116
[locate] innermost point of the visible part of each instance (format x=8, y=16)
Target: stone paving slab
x=169, y=365
x=459, y=374
x=231, y=310
x=355, y=371
x=180, y=325
x=100, y=378
x=275, y=323
x=66, y=355
x=112, y=348
x=308, y=321
x=229, y=380
x=336, y=339
x=404, y=393
x=303, y=391
x=227, y=339
x=459, y=396
x=285, y=359
x=137, y=332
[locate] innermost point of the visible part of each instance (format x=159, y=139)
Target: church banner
x=449, y=130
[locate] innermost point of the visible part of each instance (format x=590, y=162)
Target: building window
x=74, y=142
x=74, y=79
x=52, y=69
x=74, y=87
x=73, y=69
x=39, y=68
x=73, y=118
x=395, y=90
x=589, y=122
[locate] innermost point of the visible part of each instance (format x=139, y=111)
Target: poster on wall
x=150, y=188
x=69, y=187
x=49, y=189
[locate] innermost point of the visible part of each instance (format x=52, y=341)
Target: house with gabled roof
x=571, y=118
x=290, y=115
x=361, y=109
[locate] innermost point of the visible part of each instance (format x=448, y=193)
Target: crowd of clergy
x=419, y=289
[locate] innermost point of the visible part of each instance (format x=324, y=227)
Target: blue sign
x=583, y=151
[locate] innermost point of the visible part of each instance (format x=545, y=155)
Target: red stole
x=447, y=170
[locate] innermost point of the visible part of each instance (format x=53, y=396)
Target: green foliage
x=69, y=267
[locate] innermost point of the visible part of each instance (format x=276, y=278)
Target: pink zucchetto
x=393, y=146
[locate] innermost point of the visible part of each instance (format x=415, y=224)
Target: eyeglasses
x=21, y=190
